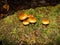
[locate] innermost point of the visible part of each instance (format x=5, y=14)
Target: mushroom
x=45, y=21
x=32, y=19
x=6, y=6
x=25, y=22
x=23, y=16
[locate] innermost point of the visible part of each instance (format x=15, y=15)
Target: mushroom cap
x=45, y=21
x=23, y=16
x=32, y=19
x=25, y=22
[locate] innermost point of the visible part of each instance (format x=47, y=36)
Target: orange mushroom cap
x=32, y=19
x=25, y=22
x=23, y=16
x=45, y=21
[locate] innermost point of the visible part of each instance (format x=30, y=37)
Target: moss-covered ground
x=13, y=32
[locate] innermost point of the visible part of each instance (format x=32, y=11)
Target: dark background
x=24, y=4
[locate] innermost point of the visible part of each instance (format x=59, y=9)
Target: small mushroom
x=23, y=16
x=25, y=22
x=32, y=19
x=6, y=6
x=45, y=21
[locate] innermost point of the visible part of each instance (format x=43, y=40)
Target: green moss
x=15, y=31
x=50, y=43
x=58, y=41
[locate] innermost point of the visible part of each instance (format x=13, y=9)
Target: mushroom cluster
x=27, y=19
x=30, y=19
